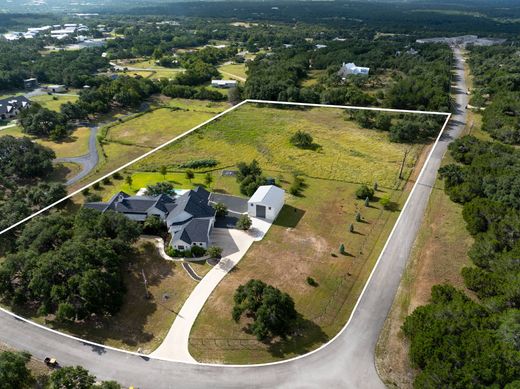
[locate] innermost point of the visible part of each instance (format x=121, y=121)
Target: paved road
x=88, y=162
x=347, y=362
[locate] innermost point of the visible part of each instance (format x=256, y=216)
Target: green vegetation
x=220, y=210
x=14, y=373
x=88, y=250
x=485, y=181
x=244, y=222
x=364, y=192
x=271, y=310
x=301, y=139
x=249, y=177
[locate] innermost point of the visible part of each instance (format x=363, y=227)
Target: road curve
x=346, y=362
x=88, y=161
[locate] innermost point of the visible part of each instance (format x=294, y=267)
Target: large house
x=189, y=217
x=351, y=68
x=11, y=106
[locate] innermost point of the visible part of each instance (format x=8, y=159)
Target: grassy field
x=75, y=145
x=345, y=152
x=156, y=127
x=238, y=70
x=141, y=323
x=53, y=102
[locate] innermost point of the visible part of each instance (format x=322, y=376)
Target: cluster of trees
x=497, y=88
x=273, y=311
x=70, y=266
x=24, y=167
x=455, y=340
x=250, y=177
x=403, y=128
x=15, y=374
x=43, y=123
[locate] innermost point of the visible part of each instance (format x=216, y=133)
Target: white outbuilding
x=266, y=202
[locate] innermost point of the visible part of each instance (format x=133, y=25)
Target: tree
x=208, y=179
x=244, y=222
x=39, y=121
x=163, y=170
x=351, y=228
x=190, y=175
x=220, y=209
x=364, y=192
x=358, y=217
x=129, y=181
x=273, y=311
x=160, y=188
x=14, y=373
x=154, y=225
x=71, y=378
x=342, y=249
x=302, y=139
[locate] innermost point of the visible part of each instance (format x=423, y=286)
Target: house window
x=269, y=208
x=252, y=205
x=180, y=247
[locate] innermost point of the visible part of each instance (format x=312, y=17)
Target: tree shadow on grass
x=289, y=216
x=305, y=338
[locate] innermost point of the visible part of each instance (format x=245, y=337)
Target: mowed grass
x=346, y=152
x=236, y=69
x=54, y=102
x=73, y=146
x=156, y=127
x=303, y=242
x=141, y=323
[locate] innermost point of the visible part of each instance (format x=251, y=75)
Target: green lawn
x=347, y=152
x=156, y=127
x=237, y=69
x=75, y=145
x=53, y=102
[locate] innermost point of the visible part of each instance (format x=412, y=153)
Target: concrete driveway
x=235, y=244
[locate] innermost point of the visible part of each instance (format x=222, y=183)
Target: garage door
x=260, y=211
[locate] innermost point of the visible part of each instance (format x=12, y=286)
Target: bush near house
x=244, y=222
x=364, y=192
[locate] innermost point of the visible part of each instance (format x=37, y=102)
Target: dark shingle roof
x=10, y=103
x=193, y=202
x=195, y=230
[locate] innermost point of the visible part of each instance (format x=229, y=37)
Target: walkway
x=235, y=244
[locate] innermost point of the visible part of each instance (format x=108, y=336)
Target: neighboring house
x=351, y=68
x=30, y=83
x=188, y=217
x=11, y=106
x=55, y=88
x=224, y=83
x=266, y=202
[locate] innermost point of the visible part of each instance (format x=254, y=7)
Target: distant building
x=224, y=83
x=11, y=106
x=30, y=83
x=55, y=88
x=321, y=46
x=351, y=68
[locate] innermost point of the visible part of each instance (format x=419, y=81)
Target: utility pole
x=402, y=164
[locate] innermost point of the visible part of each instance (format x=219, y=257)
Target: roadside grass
x=346, y=152
x=141, y=323
x=73, y=146
x=53, y=102
x=313, y=77
x=304, y=241
x=154, y=128
x=235, y=69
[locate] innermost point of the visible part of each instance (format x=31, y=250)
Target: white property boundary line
x=86, y=342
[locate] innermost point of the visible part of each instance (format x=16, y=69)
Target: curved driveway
x=346, y=362
x=88, y=161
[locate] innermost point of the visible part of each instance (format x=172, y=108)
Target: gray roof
x=16, y=102
x=196, y=230
x=194, y=202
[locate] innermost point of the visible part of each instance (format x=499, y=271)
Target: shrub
x=117, y=176
x=342, y=249
x=85, y=192
x=244, y=222
x=96, y=186
x=364, y=191
x=154, y=225
x=220, y=209
x=93, y=198
x=198, y=163
x=296, y=186
x=311, y=281
x=302, y=139
x=197, y=251
x=214, y=252
x=106, y=181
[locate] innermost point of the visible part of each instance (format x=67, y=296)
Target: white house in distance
x=224, y=83
x=351, y=68
x=266, y=202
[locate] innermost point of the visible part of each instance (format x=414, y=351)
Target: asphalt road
x=347, y=362
x=88, y=161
